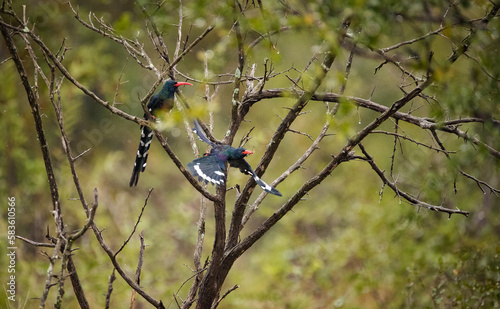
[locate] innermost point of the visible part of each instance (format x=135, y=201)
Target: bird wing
x=154, y=103
x=201, y=134
x=245, y=168
x=158, y=105
x=209, y=169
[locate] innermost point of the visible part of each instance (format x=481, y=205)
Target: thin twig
x=136, y=222
x=35, y=243
x=197, y=257
x=479, y=183
x=394, y=148
x=112, y=278
x=225, y=294
x=179, y=31
x=276, y=140
x=50, y=270
x=314, y=146
x=424, y=123
x=411, y=199
x=411, y=140
x=139, y=269
x=161, y=43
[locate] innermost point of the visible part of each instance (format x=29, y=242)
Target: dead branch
x=395, y=134
x=112, y=278
x=139, y=269
x=411, y=199
x=136, y=223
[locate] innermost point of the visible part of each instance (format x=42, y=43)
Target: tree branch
x=448, y=126
x=136, y=223
x=412, y=200
x=139, y=268
x=112, y=278
x=182, y=169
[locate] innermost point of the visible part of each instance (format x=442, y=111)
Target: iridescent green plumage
x=212, y=166
x=163, y=100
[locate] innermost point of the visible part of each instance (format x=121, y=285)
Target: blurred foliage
x=346, y=246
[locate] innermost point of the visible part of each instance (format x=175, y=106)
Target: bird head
x=171, y=86
x=241, y=153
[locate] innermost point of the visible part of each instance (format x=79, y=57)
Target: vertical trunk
x=210, y=286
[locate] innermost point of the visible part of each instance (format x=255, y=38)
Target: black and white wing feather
x=208, y=169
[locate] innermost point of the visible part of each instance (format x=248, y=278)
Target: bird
x=211, y=167
x=161, y=101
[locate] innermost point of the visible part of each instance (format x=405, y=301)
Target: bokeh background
x=345, y=246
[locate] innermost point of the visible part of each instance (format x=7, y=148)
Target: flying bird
x=161, y=101
x=211, y=167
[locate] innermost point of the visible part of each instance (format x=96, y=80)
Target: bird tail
x=142, y=155
x=265, y=186
x=201, y=134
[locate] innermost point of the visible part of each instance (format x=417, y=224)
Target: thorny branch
x=199, y=269
x=449, y=126
x=405, y=137
x=134, y=48
x=112, y=278
x=136, y=223
x=33, y=101
x=61, y=241
x=161, y=44
x=479, y=183
x=406, y=196
x=226, y=251
x=294, y=167
x=139, y=268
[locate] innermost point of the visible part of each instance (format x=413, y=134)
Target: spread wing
x=209, y=169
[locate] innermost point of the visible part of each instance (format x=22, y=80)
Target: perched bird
x=211, y=167
x=161, y=101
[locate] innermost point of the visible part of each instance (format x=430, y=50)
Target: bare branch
x=197, y=258
x=278, y=136
x=480, y=182
x=396, y=140
x=139, y=269
x=236, y=114
x=411, y=140
x=424, y=123
x=182, y=169
x=50, y=271
x=225, y=294
x=161, y=44
x=411, y=199
x=90, y=221
x=134, y=48
x=179, y=32
x=345, y=155
x=468, y=39
x=33, y=101
x=112, y=278
x=123, y=274
x=35, y=243
x=314, y=146
x=136, y=223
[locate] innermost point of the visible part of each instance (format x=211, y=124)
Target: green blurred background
x=341, y=247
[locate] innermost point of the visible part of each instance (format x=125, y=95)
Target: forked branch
x=411, y=199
